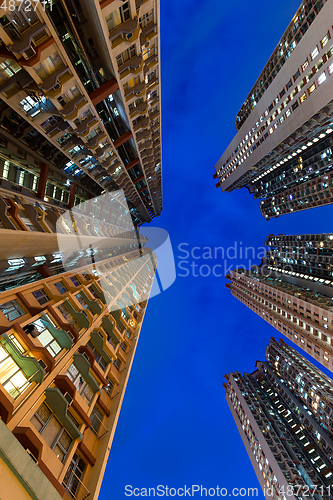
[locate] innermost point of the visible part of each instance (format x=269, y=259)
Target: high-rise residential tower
x=292, y=290
x=70, y=323
x=282, y=151
x=80, y=171
x=79, y=101
x=283, y=412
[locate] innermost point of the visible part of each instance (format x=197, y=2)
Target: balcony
x=29, y=366
x=85, y=127
x=52, y=80
x=94, y=306
x=133, y=65
x=97, y=427
x=143, y=135
x=21, y=80
x=127, y=28
x=59, y=405
x=82, y=364
x=136, y=89
x=109, y=328
x=140, y=109
x=80, y=317
x=62, y=337
x=141, y=124
x=71, y=109
x=23, y=45
x=149, y=31
x=75, y=487
x=98, y=341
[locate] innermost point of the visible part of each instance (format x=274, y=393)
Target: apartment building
x=66, y=348
x=282, y=151
x=80, y=171
x=292, y=290
x=283, y=412
x=79, y=102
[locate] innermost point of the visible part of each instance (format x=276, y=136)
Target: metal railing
x=98, y=427
x=75, y=487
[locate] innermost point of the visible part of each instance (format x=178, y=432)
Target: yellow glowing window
x=312, y=88
x=303, y=97
x=305, y=65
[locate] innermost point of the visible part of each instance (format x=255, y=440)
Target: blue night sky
x=175, y=427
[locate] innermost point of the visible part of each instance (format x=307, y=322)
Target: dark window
x=12, y=310
x=60, y=287
x=41, y=296
x=75, y=281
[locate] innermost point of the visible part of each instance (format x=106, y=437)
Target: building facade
x=66, y=348
x=292, y=291
x=79, y=100
x=283, y=147
x=283, y=412
x=80, y=170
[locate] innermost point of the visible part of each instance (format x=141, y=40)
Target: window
x=81, y=300
x=282, y=93
x=49, y=66
x=96, y=418
x=45, y=337
x=312, y=88
x=12, y=378
x=303, y=97
x=117, y=364
x=98, y=357
x=125, y=12
x=296, y=75
x=12, y=310
x=60, y=287
x=72, y=479
x=321, y=79
x=8, y=68
x=75, y=281
x=305, y=65
x=68, y=317
x=314, y=53
x=52, y=431
x=146, y=19
x=325, y=39
x=82, y=386
x=109, y=387
x=41, y=296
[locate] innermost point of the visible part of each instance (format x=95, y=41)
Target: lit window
x=312, y=88
x=314, y=53
x=303, y=97
x=321, y=79
x=55, y=436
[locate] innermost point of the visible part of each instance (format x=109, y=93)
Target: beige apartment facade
x=282, y=149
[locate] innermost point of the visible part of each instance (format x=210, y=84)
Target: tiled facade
x=283, y=147
x=283, y=412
